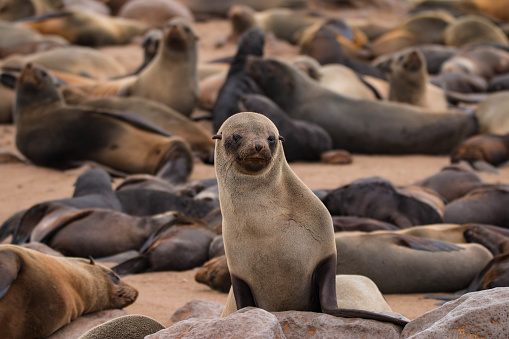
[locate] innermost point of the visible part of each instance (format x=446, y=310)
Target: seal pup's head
x=179, y=36
x=248, y=143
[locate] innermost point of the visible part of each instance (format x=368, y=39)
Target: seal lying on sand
x=288, y=263
x=52, y=134
x=357, y=125
x=40, y=293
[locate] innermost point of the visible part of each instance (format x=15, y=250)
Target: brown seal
x=181, y=245
x=379, y=199
x=170, y=78
x=452, y=182
x=154, y=13
x=86, y=28
x=289, y=263
x=408, y=83
x=472, y=29
x=49, y=133
x=491, y=114
x=402, y=263
x=483, y=148
x=41, y=293
x=486, y=205
x=392, y=128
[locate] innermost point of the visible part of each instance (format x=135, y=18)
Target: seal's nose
x=258, y=146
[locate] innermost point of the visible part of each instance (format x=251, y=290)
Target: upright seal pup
x=170, y=78
x=408, y=83
x=52, y=134
x=40, y=293
x=288, y=263
x=358, y=125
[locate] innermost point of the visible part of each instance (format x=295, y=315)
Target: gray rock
x=84, y=323
x=483, y=314
x=248, y=322
x=298, y=325
x=198, y=309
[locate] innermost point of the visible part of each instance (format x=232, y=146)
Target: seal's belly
x=278, y=270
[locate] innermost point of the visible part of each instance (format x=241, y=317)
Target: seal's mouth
x=253, y=163
x=177, y=37
x=30, y=76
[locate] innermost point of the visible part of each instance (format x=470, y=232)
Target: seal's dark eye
x=236, y=137
x=113, y=277
x=271, y=139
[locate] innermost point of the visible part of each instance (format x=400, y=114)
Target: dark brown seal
x=49, y=133
x=489, y=148
x=41, y=293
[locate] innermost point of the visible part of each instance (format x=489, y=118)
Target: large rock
x=84, y=323
x=298, y=325
x=198, y=309
x=248, y=322
x=483, y=314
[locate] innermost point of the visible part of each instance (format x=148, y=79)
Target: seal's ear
x=92, y=261
x=217, y=136
x=282, y=138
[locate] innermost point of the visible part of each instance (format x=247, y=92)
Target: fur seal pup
x=409, y=32
x=154, y=13
x=41, y=293
x=86, y=28
x=92, y=190
x=494, y=274
x=181, y=246
x=379, y=199
x=408, y=83
x=238, y=81
x=486, y=205
x=323, y=46
x=303, y=140
x=490, y=149
x=402, y=263
x=96, y=232
x=494, y=238
x=164, y=117
x=145, y=202
x=358, y=125
x=173, y=67
x=481, y=60
x=215, y=274
x=52, y=134
x=472, y=29
x=83, y=61
x=338, y=78
x=249, y=157
x=452, y=182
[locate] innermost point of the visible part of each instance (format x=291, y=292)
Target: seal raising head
x=251, y=150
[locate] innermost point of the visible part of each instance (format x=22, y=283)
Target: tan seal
x=288, y=263
x=40, y=293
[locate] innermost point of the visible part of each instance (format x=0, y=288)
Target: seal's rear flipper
x=132, y=266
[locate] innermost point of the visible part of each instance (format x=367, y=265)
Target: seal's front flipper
x=243, y=294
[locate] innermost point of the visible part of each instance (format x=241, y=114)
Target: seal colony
x=290, y=263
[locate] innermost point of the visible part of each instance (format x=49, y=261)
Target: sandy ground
x=23, y=185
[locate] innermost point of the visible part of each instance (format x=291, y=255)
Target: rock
x=483, y=314
x=198, y=309
x=309, y=324
x=84, y=323
x=248, y=322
